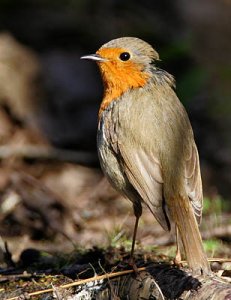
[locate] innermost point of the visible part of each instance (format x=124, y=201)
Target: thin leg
x=177, y=259
x=134, y=238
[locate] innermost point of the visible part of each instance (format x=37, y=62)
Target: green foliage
x=191, y=77
x=118, y=238
x=213, y=247
x=176, y=50
x=215, y=205
x=192, y=82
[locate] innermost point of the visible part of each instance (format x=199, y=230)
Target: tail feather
x=185, y=220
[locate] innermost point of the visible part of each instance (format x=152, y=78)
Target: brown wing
x=144, y=173
x=193, y=180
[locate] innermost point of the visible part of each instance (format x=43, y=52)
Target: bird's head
x=125, y=63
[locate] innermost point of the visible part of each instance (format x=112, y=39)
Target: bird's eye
x=125, y=56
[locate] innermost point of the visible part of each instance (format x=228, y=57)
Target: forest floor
x=60, y=221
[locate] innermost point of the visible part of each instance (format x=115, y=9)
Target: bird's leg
x=177, y=259
x=134, y=239
x=137, y=212
x=131, y=259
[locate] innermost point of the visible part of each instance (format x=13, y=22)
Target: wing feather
x=193, y=181
x=144, y=173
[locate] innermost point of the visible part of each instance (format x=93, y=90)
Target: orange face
x=119, y=75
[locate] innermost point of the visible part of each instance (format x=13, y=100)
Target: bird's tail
x=185, y=220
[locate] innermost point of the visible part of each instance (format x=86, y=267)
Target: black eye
x=125, y=56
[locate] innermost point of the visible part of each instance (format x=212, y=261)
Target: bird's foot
x=128, y=264
x=177, y=260
x=133, y=265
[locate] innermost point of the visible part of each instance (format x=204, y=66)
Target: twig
x=47, y=153
x=212, y=259
x=218, y=231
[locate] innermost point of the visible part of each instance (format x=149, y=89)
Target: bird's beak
x=95, y=57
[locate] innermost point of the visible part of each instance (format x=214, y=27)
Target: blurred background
x=50, y=181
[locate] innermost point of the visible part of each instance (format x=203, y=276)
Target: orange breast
x=118, y=76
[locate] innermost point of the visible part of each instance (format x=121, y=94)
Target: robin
x=146, y=145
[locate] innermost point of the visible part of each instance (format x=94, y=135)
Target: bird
x=146, y=144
